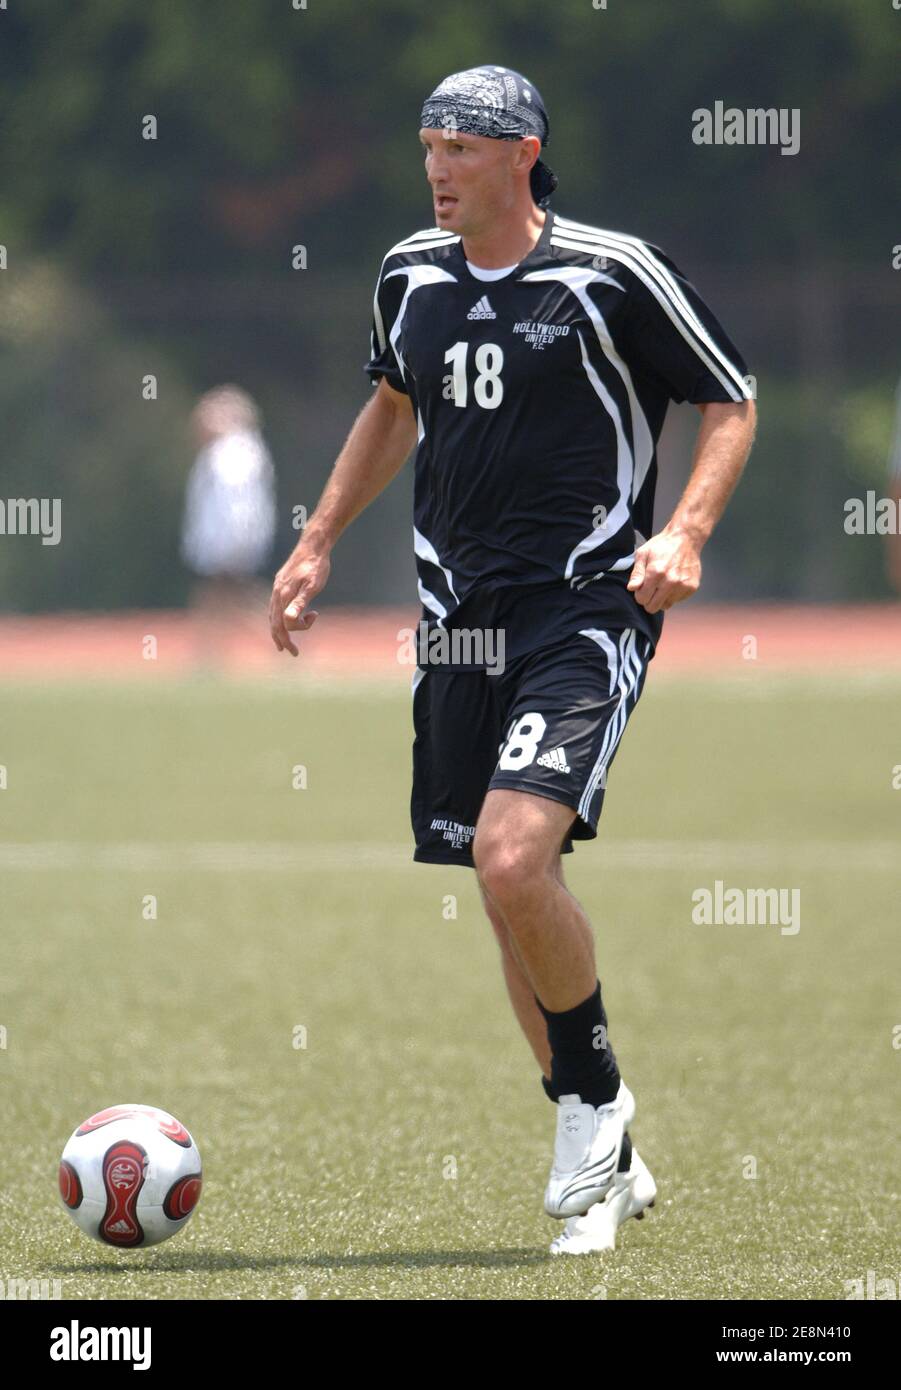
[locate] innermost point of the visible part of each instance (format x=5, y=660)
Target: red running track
x=364, y=642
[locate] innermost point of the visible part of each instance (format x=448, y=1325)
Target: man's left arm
x=667, y=568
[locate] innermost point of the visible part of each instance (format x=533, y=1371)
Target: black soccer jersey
x=539, y=400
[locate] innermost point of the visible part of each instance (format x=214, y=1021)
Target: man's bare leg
x=548, y=952
x=519, y=987
x=517, y=858
x=547, y=946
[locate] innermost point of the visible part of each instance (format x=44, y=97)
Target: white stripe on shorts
x=625, y=673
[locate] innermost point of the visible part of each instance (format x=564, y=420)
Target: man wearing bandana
x=531, y=359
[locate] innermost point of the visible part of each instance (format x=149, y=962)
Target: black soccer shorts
x=550, y=724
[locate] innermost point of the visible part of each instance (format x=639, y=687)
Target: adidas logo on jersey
x=482, y=310
x=555, y=760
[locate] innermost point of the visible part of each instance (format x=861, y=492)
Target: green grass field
x=328, y=1168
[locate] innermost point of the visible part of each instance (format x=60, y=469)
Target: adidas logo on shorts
x=555, y=760
x=482, y=310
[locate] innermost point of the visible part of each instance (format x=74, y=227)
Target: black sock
x=582, y=1061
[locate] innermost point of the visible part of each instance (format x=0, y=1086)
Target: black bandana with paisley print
x=496, y=102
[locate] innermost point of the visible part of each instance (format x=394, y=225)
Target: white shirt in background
x=229, y=520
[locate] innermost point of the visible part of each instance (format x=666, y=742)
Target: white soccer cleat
x=586, y=1152
x=631, y=1194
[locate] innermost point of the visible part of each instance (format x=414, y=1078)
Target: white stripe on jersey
x=623, y=563
x=417, y=276
x=423, y=547
x=631, y=467
x=429, y=236
x=576, y=278
x=429, y=601
x=620, y=514
x=638, y=256
x=419, y=241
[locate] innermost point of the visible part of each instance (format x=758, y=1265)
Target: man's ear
x=530, y=143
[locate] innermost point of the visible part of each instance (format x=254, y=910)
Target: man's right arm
x=376, y=449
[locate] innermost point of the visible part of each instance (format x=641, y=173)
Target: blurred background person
x=229, y=522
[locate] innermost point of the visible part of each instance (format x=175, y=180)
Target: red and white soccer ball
x=130, y=1176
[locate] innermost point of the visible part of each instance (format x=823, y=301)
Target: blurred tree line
x=276, y=127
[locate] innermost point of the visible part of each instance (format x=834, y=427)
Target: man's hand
x=303, y=575
x=376, y=449
x=667, y=569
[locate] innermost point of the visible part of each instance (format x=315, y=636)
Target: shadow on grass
x=428, y=1259
x=375, y=1259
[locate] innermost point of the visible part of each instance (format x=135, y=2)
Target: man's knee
x=508, y=870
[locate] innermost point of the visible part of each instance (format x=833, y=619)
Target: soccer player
x=532, y=358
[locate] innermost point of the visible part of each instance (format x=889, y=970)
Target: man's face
x=472, y=177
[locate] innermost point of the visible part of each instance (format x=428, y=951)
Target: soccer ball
x=130, y=1176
